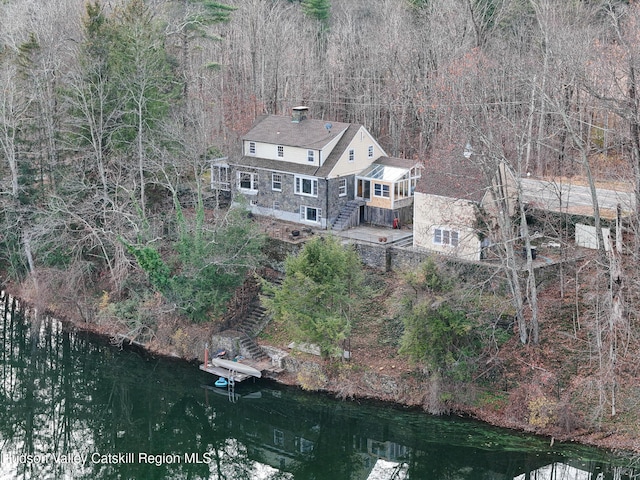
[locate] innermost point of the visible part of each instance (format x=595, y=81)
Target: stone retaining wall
x=387, y=258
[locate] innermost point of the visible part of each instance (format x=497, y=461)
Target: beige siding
x=291, y=154
x=297, y=155
x=380, y=202
x=434, y=212
x=360, y=145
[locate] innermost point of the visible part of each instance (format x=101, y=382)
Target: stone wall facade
x=285, y=204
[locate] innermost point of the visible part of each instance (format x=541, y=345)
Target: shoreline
x=406, y=395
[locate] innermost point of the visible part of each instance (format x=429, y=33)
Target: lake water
x=76, y=407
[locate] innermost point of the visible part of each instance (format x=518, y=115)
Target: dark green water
x=76, y=407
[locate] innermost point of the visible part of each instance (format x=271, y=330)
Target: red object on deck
x=206, y=356
x=396, y=223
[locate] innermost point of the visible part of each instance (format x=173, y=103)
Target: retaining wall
x=389, y=258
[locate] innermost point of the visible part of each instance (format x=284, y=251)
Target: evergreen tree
x=322, y=286
x=194, y=19
x=318, y=9
x=203, y=14
x=438, y=331
x=125, y=88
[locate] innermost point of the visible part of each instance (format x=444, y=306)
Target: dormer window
x=280, y=151
x=310, y=155
x=252, y=148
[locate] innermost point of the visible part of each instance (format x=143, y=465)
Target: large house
x=456, y=204
x=318, y=173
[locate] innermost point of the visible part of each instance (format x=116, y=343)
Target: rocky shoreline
x=402, y=388
x=410, y=393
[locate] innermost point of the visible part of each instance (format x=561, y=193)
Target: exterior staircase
x=348, y=216
x=255, y=320
x=251, y=325
x=253, y=350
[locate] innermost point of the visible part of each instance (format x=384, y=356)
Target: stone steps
x=251, y=326
x=252, y=349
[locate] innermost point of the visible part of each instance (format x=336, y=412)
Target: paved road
x=568, y=197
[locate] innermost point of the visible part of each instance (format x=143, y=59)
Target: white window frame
x=311, y=155
x=342, y=187
x=253, y=180
x=276, y=182
x=381, y=190
x=280, y=151
x=305, y=211
x=352, y=155
x=252, y=148
x=446, y=237
x=220, y=178
x=299, y=186
x=370, y=151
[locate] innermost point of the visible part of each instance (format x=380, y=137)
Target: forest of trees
x=111, y=110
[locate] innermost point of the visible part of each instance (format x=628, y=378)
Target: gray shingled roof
x=280, y=130
x=276, y=165
x=307, y=134
x=338, y=150
x=453, y=178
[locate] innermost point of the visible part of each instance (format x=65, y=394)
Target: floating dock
x=230, y=369
x=238, y=370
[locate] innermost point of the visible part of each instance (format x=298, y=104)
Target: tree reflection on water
x=76, y=407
